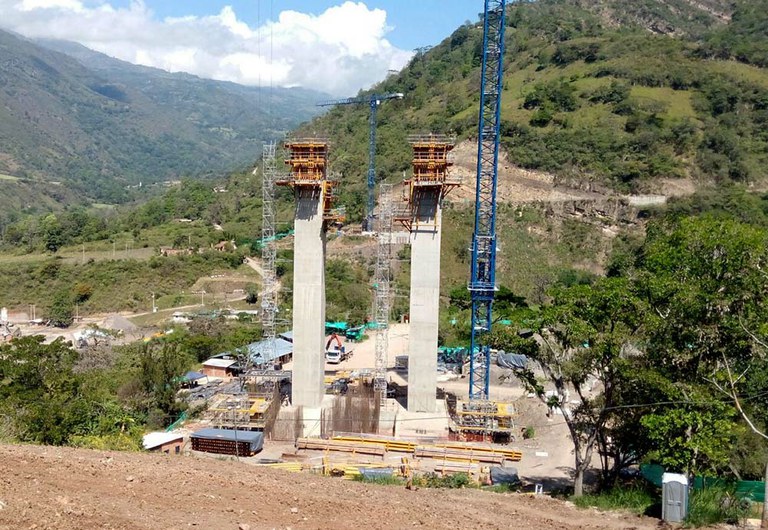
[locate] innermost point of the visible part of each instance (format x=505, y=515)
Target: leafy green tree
x=82, y=292
x=61, y=312
x=251, y=293
x=50, y=404
x=585, y=337
x=693, y=439
x=52, y=233
x=160, y=367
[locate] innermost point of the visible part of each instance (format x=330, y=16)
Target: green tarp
x=753, y=490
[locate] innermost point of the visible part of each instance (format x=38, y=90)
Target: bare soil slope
x=51, y=487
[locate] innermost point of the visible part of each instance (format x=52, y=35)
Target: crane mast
x=482, y=284
x=373, y=101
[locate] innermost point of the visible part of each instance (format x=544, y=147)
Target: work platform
x=309, y=177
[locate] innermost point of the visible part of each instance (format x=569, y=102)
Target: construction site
x=379, y=410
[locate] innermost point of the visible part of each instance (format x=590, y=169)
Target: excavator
x=335, y=352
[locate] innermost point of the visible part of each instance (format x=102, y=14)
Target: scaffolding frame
x=269, y=297
x=382, y=288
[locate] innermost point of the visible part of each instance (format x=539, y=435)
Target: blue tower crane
x=482, y=283
x=373, y=101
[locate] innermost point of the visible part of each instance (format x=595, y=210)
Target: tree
x=585, y=338
x=251, y=293
x=52, y=233
x=62, y=309
x=49, y=403
x=160, y=367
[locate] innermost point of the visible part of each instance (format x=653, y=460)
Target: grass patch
x=381, y=480
x=634, y=499
x=677, y=102
x=715, y=505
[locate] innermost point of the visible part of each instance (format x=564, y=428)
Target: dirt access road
x=62, y=488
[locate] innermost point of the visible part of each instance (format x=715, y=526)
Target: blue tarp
x=504, y=475
x=193, y=376
x=512, y=361
x=254, y=438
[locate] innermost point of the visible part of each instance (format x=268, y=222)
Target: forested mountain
x=616, y=93
x=98, y=125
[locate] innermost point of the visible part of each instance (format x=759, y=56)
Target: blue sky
x=334, y=46
x=416, y=23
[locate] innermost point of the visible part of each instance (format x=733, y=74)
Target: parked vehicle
x=335, y=352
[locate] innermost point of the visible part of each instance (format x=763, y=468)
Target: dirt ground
x=63, y=488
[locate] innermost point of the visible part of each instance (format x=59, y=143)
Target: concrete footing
x=430, y=425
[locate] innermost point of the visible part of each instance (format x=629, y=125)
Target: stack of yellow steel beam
x=340, y=445
x=395, y=446
x=508, y=454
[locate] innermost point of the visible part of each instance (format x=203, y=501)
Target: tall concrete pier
x=424, y=312
x=308, y=387
x=313, y=191
x=427, y=187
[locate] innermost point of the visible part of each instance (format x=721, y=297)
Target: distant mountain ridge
x=98, y=125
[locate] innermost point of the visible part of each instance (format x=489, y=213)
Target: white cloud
x=339, y=51
x=69, y=5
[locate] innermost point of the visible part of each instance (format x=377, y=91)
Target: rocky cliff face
x=667, y=17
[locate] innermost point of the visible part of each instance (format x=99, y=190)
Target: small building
x=218, y=367
x=170, y=251
x=164, y=442
x=192, y=379
x=267, y=352
x=227, y=441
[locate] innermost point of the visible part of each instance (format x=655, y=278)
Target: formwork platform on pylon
x=431, y=179
x=308, y=162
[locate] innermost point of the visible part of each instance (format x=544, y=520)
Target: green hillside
x=99, y=125
x=588, y=95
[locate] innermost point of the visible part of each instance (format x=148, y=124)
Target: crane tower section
x=482, y=283
x=373, y=101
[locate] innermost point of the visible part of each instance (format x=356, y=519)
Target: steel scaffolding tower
x=482, y=284
x=268, y=250
x=383, y=291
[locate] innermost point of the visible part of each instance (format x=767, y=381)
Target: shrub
x=714, y=505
